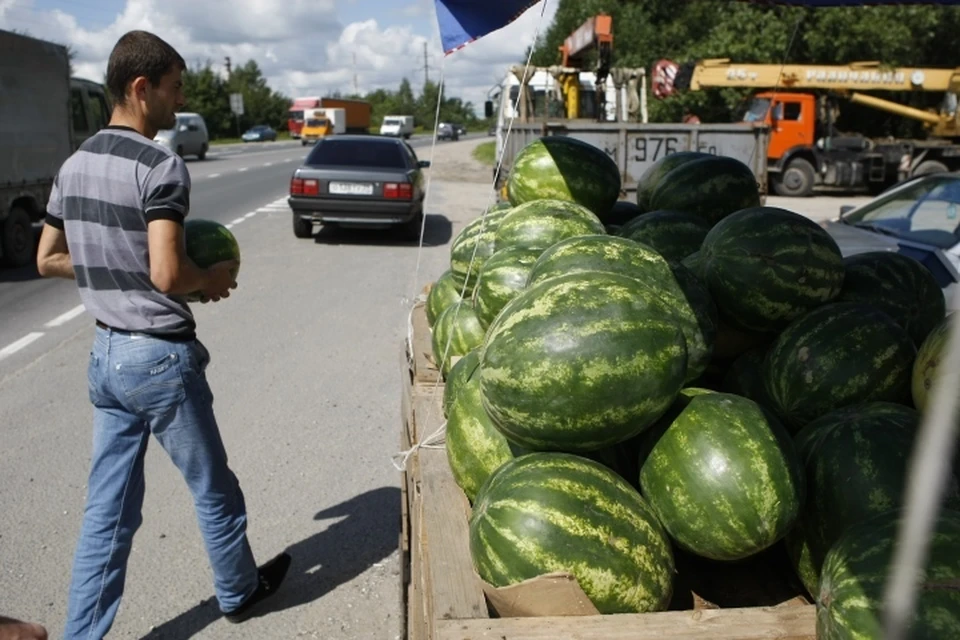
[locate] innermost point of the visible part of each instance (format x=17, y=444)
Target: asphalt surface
x=305, y=370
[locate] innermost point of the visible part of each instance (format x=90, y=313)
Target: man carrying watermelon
x=115, y=224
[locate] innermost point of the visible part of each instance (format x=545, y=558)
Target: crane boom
x=860, y=76
x=597, y=30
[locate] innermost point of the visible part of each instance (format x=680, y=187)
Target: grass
x=486, y=152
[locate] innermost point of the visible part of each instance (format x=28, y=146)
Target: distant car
x=359, y=181
x=919, y=218
x=492, y=130
x=259, y=133
x=461, y=130
x=447, y=131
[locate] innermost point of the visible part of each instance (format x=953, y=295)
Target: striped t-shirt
x=103, y=197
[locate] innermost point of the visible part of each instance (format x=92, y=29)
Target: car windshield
x=357, y=153
x=316, y=123
x=757, y=111
x=926, y=211
x=391, y=121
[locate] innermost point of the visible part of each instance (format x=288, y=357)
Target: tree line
x=688, y=30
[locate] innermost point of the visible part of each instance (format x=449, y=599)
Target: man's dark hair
x=139, y=53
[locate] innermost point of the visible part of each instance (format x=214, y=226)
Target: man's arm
x=174, y=273
x=53, y=255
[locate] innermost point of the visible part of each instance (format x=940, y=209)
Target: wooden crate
x=443, y=596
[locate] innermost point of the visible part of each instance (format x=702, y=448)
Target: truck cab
x=322, y=123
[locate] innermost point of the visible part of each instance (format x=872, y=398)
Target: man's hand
x=220, y=281
x=11, y=629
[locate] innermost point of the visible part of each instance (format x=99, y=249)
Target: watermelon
x=502, y=277
x=460, y=373
x=733, y=343
x=673, y=234
x=475, y=449
x=711, y=187
x=841, y=354
x=701, y=303
x=580, y=362
x=651, y=178
x=540, y=224
x=456, y=333
x=622, y=212
x=474, y=244
x=207, y=243
x=898, y=285
x=745, y=376
x=444, y=292
x=856, y=461
x=548, y=512
x=850, y=597
x=767, y=266
x=724, y=478
x=927, y=365
x=563, y=168
x=610, y=254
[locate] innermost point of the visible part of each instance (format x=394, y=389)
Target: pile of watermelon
x=696, y=372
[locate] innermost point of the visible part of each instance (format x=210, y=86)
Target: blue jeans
x=141, y=385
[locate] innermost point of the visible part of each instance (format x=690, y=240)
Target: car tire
x=302, y=228
x=180, y=151
x=928, y=167
x=17, y=238
x=411, y=228
x=796, y=180
x=203, y=152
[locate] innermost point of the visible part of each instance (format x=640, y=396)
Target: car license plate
x=351, y=188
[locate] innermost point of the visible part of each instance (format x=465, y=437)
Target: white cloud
x=301, y=50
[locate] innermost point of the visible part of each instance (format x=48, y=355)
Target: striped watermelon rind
x=475, y=449
x=503, y=276
x=724, y=478
x=850, y=598
x=580, y=362
x=474, y=244
x=842, y=354
x=539, y=224
x=555, y=512
x=460, y=373
x=928, y=361
x=673, y=234
x=564, y=168
x=456, y=333
x=855, y=463
x=712, y=188
x=444, y=292
x=610, y=254
x=899, y=286
x=651, y=178
x=766, y=267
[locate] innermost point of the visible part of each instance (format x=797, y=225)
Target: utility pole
x=227, y=58
x=426, y=65
x=356, y=89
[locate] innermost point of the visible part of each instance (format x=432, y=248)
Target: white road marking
x=242, y=169
x=237, y=221
x=214, y=175
x=268, y=164
x=229, y=225
x=13, y=347
x=251, y=214
x=64, y=318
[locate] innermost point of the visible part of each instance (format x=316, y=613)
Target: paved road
x=305, y=371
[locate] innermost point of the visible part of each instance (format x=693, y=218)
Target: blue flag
x=463, y=21
x=854, y=3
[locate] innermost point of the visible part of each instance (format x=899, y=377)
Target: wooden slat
x=452, y=587
x=425, y=370
x=783, y=623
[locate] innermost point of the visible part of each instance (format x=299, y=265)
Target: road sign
x=236, y=103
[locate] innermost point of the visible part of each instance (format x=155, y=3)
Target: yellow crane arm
x=862, y=76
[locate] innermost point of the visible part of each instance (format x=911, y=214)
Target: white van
x=188, y=137
x=397, y=126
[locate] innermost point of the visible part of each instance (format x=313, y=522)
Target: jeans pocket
x=154, y=387
x=93, y=378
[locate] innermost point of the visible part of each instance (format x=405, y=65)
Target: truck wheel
x=17, y=238
x=203, y=152
x=928, y=167
x=796, y=180
x=302, y=228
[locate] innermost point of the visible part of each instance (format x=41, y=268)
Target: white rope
x=428, y=442
x=929, y=474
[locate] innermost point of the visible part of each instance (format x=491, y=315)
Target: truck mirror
x=488, y=109
x=847, y=208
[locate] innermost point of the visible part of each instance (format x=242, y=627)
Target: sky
x=303, y=47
